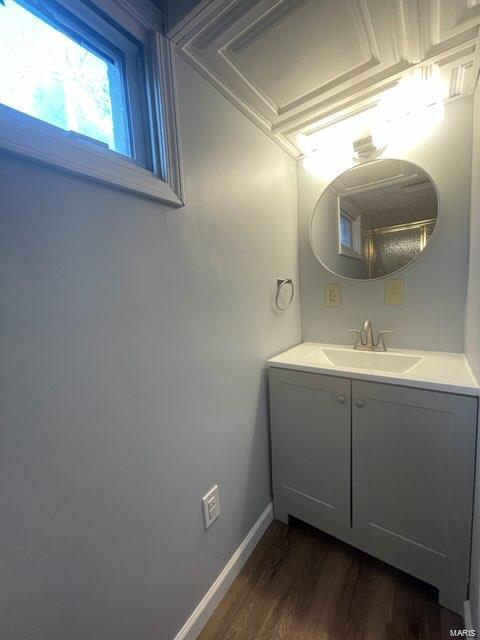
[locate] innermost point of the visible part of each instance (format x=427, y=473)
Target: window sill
x=350, y=253
x=22, y=135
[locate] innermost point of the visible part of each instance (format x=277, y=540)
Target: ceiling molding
x=447, y=23
x=187, y=20
x=457, y=81
x=404, y=171
x=145, y=12
x=295, y=66
x=406, y=29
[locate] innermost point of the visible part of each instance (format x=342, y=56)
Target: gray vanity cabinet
x=311, y=416
x=412, y=480
x=388, y=469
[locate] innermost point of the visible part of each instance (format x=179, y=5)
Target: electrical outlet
x=333, y=295
x=393, y=291
x=211, y=507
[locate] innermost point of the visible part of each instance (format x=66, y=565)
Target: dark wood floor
x=301, y=584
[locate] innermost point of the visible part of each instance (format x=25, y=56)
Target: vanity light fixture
x=364, y=148
x=409, y=113
x=404, y=116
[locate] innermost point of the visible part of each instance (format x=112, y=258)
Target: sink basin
x=438, y=371
x=371, y=361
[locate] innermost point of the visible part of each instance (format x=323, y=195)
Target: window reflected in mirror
x=374, y=219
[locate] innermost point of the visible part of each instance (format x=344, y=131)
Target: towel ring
x=281, y=283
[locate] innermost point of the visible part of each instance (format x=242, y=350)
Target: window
x=57, y=76
x=89, y=94
x=346, y=230
x=349, y=233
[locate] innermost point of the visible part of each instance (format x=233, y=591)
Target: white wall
x=472, y=324
x=433, y=315
x=472, y=340
x=133, y=342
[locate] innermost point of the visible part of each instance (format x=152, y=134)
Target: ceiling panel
x=268, y=54
x=446, y=23
x=294, y=66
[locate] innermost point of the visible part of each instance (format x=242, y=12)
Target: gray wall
x=433, y=315
x=472, y=340
x=133, y=343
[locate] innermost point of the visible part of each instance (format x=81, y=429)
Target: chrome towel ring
x=280, y=284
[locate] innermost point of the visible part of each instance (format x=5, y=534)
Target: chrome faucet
x=367, y=329
x=363, y=339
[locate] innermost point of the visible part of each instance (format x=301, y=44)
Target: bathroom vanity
x=378, y=449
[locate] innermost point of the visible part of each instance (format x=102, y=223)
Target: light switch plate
x=394, y=291
x=333, y=295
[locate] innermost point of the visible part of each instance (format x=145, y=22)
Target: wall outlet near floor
x=211, y=507
x=333, y=295
x=394, y=291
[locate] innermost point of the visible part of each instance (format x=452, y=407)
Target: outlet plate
x=394, y=291
x=333, y=295
x=211, y=507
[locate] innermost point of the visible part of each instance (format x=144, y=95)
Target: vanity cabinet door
x=311, y=445
x=413, y=473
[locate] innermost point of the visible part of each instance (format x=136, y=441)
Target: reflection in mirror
x=374, y=219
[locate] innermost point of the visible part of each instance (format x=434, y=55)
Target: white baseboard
x=467, y=615
x=210, y=601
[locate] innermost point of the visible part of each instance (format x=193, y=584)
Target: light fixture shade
x=364, y=148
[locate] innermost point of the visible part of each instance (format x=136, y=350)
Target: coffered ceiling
x=296, y=66
x=387, y=191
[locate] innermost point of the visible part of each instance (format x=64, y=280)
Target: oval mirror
x=374, y=219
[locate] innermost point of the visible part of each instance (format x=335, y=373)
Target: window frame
x=355, y=219
x=155, y=169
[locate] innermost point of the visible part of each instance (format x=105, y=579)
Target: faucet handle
x=381, y=341
x=357, y=337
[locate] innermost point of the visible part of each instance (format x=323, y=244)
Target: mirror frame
x=393, y=273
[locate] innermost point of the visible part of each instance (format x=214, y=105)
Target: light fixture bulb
x=409, y=112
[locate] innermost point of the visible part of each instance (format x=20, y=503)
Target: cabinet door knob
x=341, y=399
x=360, y=403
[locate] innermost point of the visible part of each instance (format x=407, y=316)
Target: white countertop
x=439, y=371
